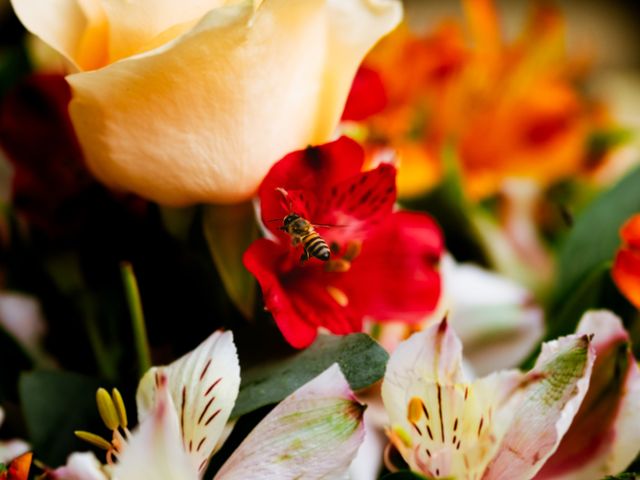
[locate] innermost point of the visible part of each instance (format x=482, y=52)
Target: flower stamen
x=114, y=415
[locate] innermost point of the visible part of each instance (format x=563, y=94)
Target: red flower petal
x=297, y=295
x=358, y=203
x=395, y=276
x=367, y=96
x=312, y=171
x=626, y=274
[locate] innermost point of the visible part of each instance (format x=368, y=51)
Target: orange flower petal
x=630, y=232
x=626, y=274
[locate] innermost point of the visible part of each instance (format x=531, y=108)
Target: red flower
x=626, y=268
x=382, y=263
x=367, y=96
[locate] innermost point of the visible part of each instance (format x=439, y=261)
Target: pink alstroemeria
x=184, y=407
x=503, y=426
x=604, y=437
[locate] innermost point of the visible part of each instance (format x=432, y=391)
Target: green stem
x=137, y=317
x=103, y=361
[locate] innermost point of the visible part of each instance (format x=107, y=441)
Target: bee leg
x=335, y=248
x=304, y=257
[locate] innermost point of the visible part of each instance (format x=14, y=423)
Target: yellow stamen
x=93, y=439
x=107, y=409
x=414, y=410
x=337, y=265
x=338, y=295
x=353, y=249
x=120, y=408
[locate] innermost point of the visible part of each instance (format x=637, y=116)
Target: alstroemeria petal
x=546, y=412
x=311, y=171
x=298, y=299
x=443, y=426
x=155, y=450
x=60, y=23
x=626, y=274
x=81, y=466
x=145, y=122
x=604, y=437
x=497, y=320
x=313, y=434
x=405, y=248
x=204, y=385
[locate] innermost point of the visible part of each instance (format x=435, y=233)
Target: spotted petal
x=546, y=413
x=155, y=450
x=312, y=434
x=442, y=425
x=204, y=385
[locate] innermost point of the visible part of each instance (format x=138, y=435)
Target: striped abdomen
x=315, y=246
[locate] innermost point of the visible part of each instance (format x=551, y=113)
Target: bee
x=303, y=232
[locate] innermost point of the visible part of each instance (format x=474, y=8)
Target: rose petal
x=200, y=120
x=549, y=406
x=604, y=436
x=60, y=23
x=313, y=434
x=155, y=450
x=204, y=385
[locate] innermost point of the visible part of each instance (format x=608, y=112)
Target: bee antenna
x=274, y=220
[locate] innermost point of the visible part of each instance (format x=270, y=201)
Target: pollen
x=339, y=265
x=414, y=410
x=338, y=295
x=107, y=409
x=352, y=251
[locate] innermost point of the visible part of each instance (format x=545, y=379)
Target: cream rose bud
x=194, y=100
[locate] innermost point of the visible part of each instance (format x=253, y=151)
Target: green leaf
x=229, y=230
x=54, y=405
x=361, y=359
x=623, y=476
x=595, y=236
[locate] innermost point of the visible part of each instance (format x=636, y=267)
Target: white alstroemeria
x=10, y=449
x=497, y=319
x=502, y=426
x=313, y=434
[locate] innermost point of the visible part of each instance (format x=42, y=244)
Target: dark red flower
x=52, y=187
x=383, y=262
